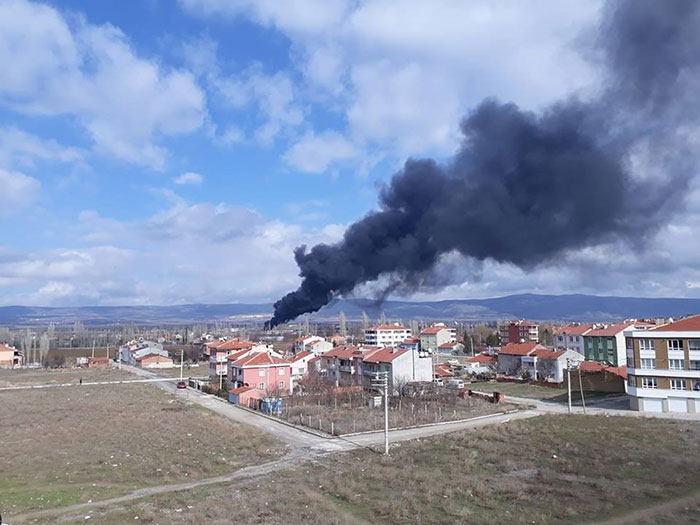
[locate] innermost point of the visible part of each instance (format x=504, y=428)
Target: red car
x=181, y=384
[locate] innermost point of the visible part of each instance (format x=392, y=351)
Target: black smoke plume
x=526, y=187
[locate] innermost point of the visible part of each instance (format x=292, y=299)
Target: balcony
x=347, y=368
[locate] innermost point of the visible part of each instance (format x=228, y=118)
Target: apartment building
x=570, y=337
x=606, y=343
x=312, y=343
x=387, y=335
x=434, y=336
x=663, y=367
x=518, y=332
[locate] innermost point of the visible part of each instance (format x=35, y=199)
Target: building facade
x=387, y=335
x=570, y=337
x=434, y=336
x=663, y=367
x=606, y=343
x=518, y=332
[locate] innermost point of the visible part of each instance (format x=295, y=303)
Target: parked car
x=455, y=383
x=181, y=384
x=438, y=381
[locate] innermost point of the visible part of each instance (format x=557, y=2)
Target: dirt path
x=654, y=513
x=244, y=473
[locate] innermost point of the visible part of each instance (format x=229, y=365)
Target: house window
x=646, y=344
x=696, y=385
x=675, y=344
x=629, y=343
x=678, y=384
x=261, y=386
x=649, y=382
x=281, y=384
x=630, y=362
x=676, y=364
x=280, y=371
x=694, y=364
x=261, y=372
x=694, y=344
x=610, y=344
x=648, y=363
x=631, y=380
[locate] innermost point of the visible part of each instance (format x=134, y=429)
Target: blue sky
x=172, y=151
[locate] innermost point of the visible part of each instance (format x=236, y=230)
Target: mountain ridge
x=536, y=307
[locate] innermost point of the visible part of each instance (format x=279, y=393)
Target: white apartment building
x=663, y=367
x=570, y=337
x=434, y=336
x=312, y=343
x=387, y=335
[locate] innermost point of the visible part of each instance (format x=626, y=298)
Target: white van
x=455, y=383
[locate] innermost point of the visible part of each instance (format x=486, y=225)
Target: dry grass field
x=544, y=393
x=36, y=376
x=550, y=469
x=74, y=444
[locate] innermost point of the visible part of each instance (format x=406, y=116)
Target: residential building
x=300, y=366
x=432, y=337
x=481, y=363
x=518, y=332
x=262, y=370
x=570, y=337
x=387, y=335
x=442, y=371
x=606, y=343
x=154, y=360
x=412, y=343
x=219, y=354
x=403, y=366
x=9, y=356
x=130, y=351
x=312, y=343
x=663, y=367
x=536, y=361
x=342, y=364
x=98, y=362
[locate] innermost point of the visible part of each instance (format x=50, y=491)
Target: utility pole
x=568, y=381
x=182, y=359
x=381, y=381
x=580, y=386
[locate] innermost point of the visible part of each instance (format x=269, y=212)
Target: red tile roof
x=610, y=330
x=236, y=344
x=447, y=345
x=442, y=371
x=385, y=355
x=546, y=353
x=520, y=348
x=592, y=366
x=572, y=329
x=259, y=359
x=483, y=358
x=433, y=330
x=144, y=356
x=689, y=324
x=299, y=356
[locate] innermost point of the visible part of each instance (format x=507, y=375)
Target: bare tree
x=382, y=319
x=44, y=344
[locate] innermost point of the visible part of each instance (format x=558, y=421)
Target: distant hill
x=528, y=306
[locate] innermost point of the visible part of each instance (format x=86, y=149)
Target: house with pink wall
x=266, y=372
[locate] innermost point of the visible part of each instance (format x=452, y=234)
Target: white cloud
x=189, y=178
x=18, y=191
x=293, y=15
x=19, y=148
x=403, y=73
x=273, y=95
x=316, y=153
x=124, y=102
x=240, y=256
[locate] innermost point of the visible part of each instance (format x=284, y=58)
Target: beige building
x=387, y=335
x=434, y=336
x=663, y=367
